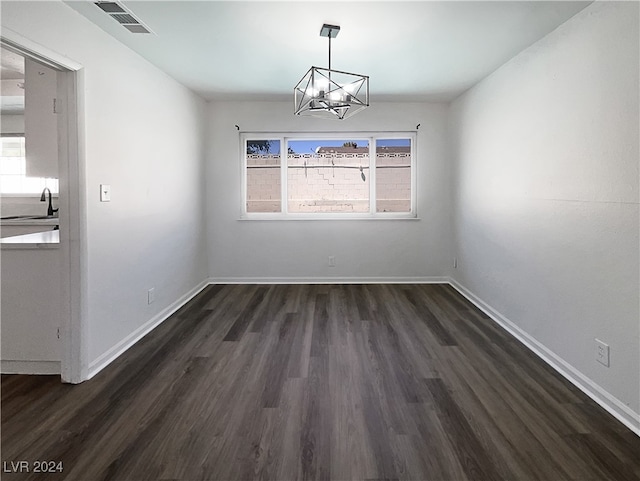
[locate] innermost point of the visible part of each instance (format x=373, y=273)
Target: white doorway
x=71, y=201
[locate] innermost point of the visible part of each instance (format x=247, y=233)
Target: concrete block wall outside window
x=332, y=180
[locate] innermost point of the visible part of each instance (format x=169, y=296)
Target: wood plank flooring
x=318, y=382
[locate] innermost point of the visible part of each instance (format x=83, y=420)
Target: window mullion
x=284, y=170
x=414, y=176
x=244, y=191
x=372, y=175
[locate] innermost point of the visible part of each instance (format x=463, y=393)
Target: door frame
x=72, y=200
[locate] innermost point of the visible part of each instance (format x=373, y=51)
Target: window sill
x=324, y=217
x=28, y=195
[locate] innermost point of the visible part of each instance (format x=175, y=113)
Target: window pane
x=393, y=175
x=263, y=176
x=12, y=146
x=37, y=184
x=11, y=184
x=12, y=165
x=328, y=175
x=12, y=157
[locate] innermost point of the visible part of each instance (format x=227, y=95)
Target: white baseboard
x=328, y=280
x=30, y=367
x=610, y=403
x=109, y=356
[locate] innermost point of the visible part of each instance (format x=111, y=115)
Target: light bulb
x=335, y=95
x=321, y=83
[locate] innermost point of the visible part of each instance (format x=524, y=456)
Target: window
x=13, y=165
x=393, y=175
x=328, y=176
x=263, y=175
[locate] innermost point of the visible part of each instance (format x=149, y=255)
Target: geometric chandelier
x=327, y=93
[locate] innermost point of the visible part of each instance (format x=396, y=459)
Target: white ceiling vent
x=124, y=17
x=110, y=7
x=136, y=28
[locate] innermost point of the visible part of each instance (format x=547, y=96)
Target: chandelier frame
x=327, y=93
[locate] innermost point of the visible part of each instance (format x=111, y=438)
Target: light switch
x=105, y=193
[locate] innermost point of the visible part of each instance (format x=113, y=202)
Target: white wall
x=298, y=250
x=12, y=124
x=25, y=205
x=144, y=137
x=545, y=198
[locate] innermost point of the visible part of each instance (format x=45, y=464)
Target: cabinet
x=32, y=309
x=40, y=121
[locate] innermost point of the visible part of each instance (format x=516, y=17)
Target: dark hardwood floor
x=333, y=382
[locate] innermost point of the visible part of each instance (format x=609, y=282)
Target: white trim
x=610, y=403
x=243, y=175
x=313, y=134
x=75, y=326
x=73, y=221
x=284, y=178
x=373, y=199
x=38, y=51
x=328, y=280
x=116, y=351
x=284, y=137
x=54, y=195
x=414, y=174
x=30, y=367
x=257, y=216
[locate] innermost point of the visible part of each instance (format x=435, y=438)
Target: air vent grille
x=136, y=28
x=124, y=17
x=110, y=7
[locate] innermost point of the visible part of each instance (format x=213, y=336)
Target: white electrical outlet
x=105, y=193
x=602, y=352
x=332, y=261
x=151, y=295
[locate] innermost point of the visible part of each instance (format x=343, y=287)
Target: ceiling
x=420, y=50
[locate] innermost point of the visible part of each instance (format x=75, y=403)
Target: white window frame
x=371, y=137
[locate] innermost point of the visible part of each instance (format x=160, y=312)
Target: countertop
x=49, y=239
x=13, y=222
